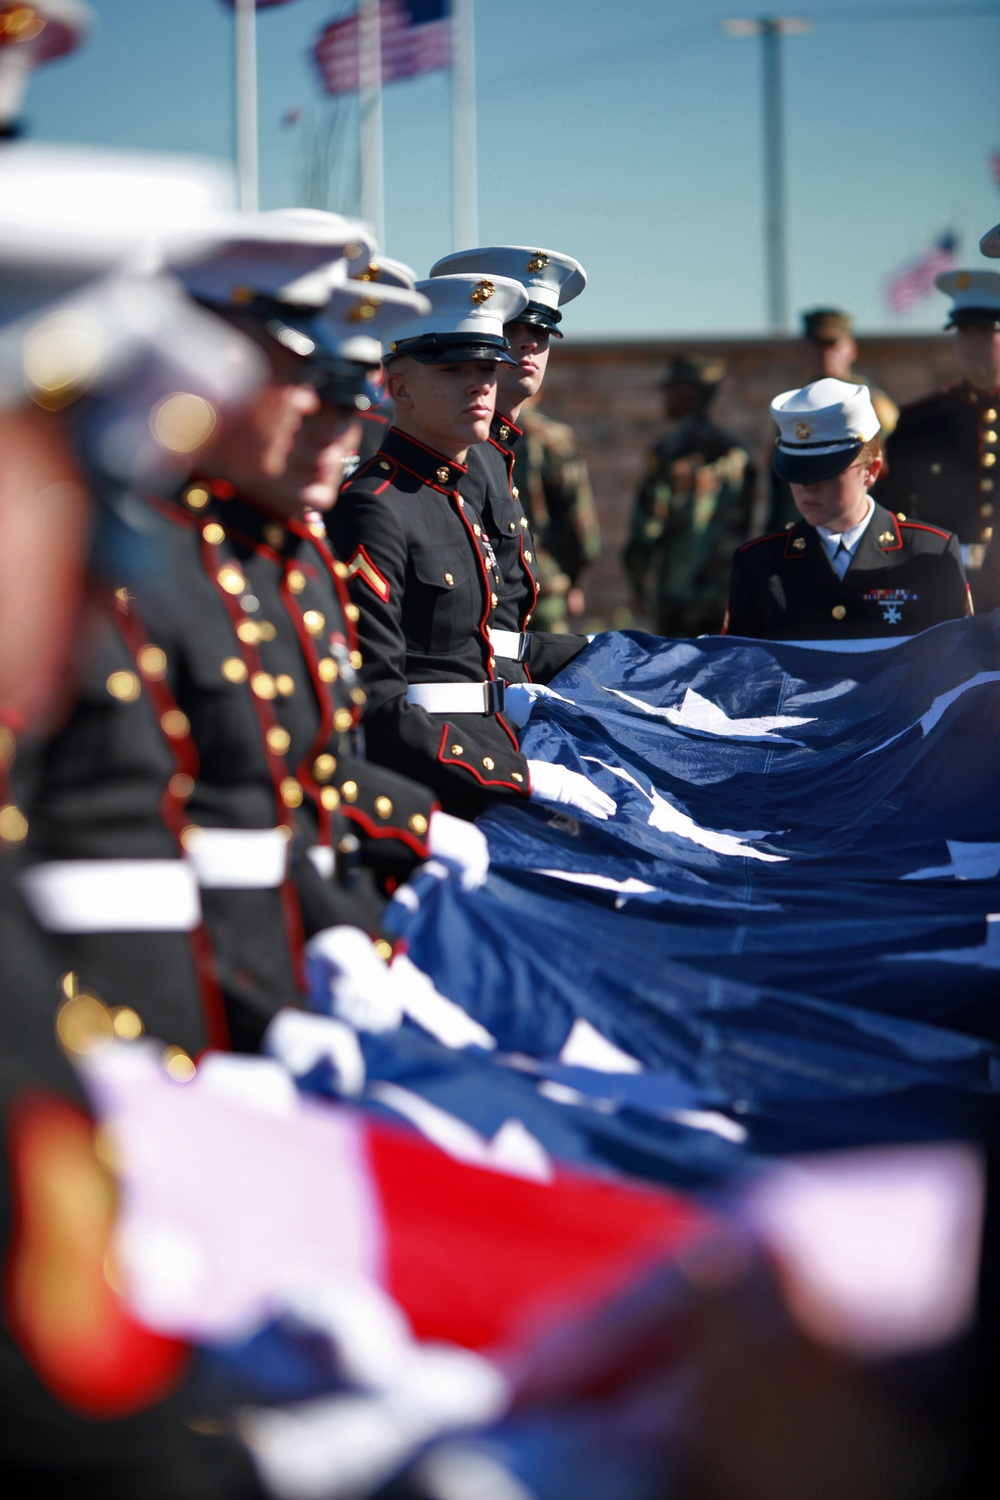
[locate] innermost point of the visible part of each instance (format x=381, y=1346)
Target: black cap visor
x=540, y=317
x=807, y=466
x=974, y=317
x=452, y=348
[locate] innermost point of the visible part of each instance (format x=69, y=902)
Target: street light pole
x=771, y=29
x=775, y=216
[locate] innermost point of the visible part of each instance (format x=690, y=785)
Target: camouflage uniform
x=692, y=510
x=551, y=480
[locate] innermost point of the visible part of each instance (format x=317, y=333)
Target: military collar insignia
x=430, y=467
x=504, y=432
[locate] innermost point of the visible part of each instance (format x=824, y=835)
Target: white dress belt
x=509, y=643
x=240, y=859
x=457, y=697
x=113, y=895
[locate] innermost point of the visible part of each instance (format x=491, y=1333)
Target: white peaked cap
x=360, y=317
x=990, y=242
x=383, y=271
x=975, y=295
x=822, y=428
x=549, y=278
x=465, y=321
x=69, y=214
x=292, y=256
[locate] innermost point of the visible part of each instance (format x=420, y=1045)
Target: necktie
x=841, y=559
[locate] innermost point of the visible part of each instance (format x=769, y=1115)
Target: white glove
x=520, y=698
x=348, y=979
x=462, y=844
x=551, y=783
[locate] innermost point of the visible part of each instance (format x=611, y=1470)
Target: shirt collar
x=832, y=539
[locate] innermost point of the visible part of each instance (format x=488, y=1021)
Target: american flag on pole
x=415, y=38
x=911, y=284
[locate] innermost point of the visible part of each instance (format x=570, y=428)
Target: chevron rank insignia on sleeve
x=361, y=566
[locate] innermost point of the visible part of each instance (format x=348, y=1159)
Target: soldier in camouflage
x=692, y=509
x=551, y=480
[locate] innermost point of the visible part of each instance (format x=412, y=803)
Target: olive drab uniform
x=903, y=578
x=692, y=509
x=286, y=824
x=550, y=478
x=488, y=489
x=425, y=577
x=942, y=469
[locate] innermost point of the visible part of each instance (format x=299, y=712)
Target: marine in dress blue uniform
x=942, y=456
x=423, y=570
x=849, y=568
x=550, y=280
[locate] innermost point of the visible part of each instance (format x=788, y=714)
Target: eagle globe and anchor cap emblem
x=803, y=431
x=482, y=292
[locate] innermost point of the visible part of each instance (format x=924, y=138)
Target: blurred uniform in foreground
x=828, y=353
x=551, y=481
x=692, y=509
x=943, y=454
x=848, y=568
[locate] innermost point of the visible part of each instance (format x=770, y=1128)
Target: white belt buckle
x=509, y=644
x=113, y=895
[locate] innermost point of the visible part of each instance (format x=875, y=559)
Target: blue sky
x=626, y=135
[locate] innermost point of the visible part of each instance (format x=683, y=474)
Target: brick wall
x=607, y=391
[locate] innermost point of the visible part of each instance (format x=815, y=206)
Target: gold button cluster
x=178, y=1064
x=340, y=569
x=512, y=526
x=263, y=684
x=213, y=533
x=799, y=544
x=330, y=798
x=328, y=669
x=285, y=684
x=443, y=475
x=175, y=724
x=986, y=509
x=196, y=497
x=359, y=697
x=488, y=762
x=477, y=528
x=356, y=660
x=248, y=632
x=986, y=535
x=494, y=601
x=324, y=767
x=449, y=579
x=314, y=621
x=989, y=459
x=342, y=720
x=516, y=776
x=353, y=613
x=84, y=1025
x=278, y=739
x=349, y=791
x=13, y=825
x=457, y=749
x=153, y=663
x=990, y=414
x=383, y=806
x=418, y=824
x=234, y=669
x=231, y=579
x=504, y=432
x=524, y=523
x=383, y=948
x=125, y=686
x=838, y=611
x=291, y=792
x=296, y=580
x=527, y=557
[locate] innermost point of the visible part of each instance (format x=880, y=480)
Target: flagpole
x=463, y=125
x=370, y=116
x=246, y=103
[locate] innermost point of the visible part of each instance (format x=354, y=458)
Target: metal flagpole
x=246, y=103
x=370, y=116
x=463, y=125
x=775, y=232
